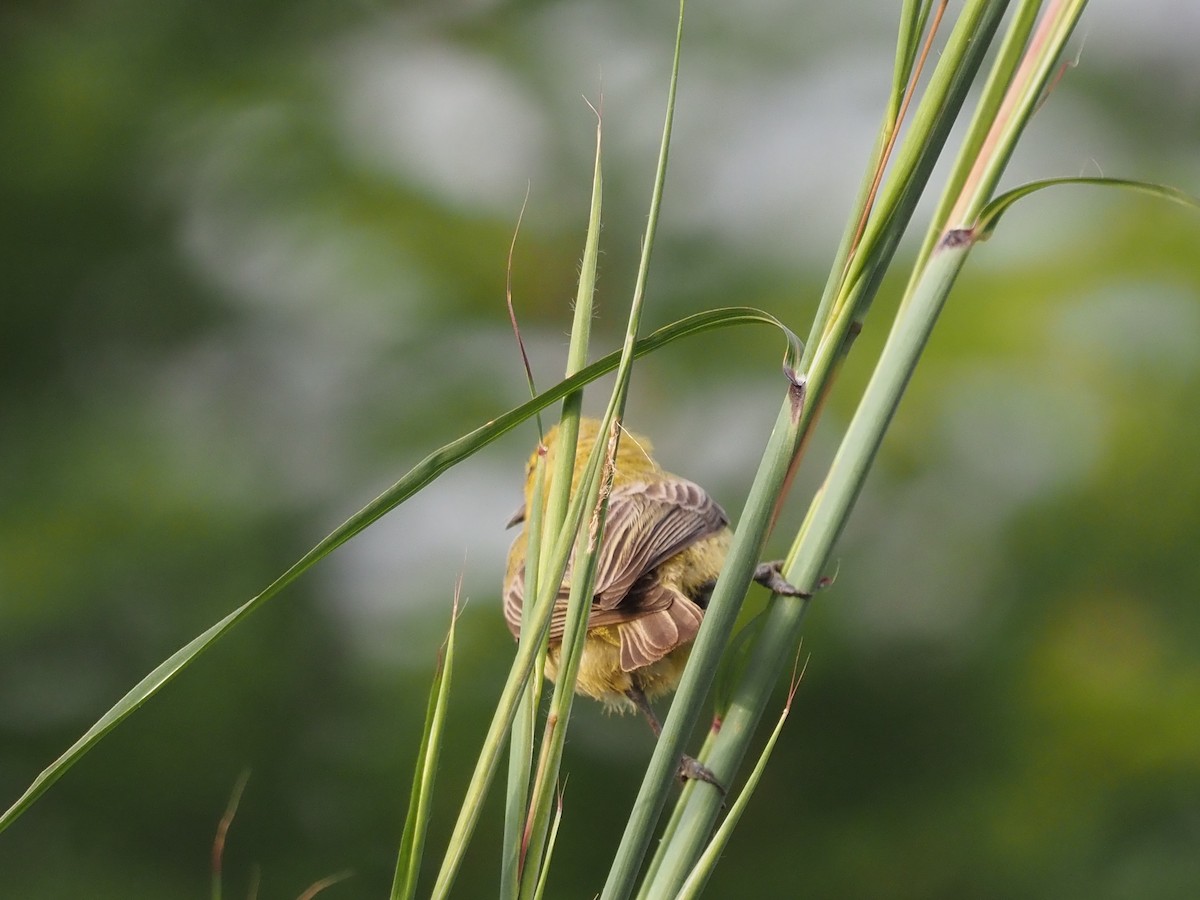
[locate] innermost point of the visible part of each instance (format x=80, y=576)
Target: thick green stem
x=775, y=646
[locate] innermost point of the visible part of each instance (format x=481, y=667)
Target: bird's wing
x=647, y=524
x=514, y=600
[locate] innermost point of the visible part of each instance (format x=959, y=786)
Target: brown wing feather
x=514, y=598
x=650, y=637
x=647, y=524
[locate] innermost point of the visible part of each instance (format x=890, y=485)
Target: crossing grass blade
x=420, y=476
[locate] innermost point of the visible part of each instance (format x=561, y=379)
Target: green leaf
x=700, y=873
x=416, y=824
x=991, y=213
x=524, y=839
x=550, y=841
x=422, y=474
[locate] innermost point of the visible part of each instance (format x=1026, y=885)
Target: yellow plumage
x=661, y=553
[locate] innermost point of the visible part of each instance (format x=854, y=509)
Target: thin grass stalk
x=733, y=661
x=574, y=636
x=1016, y=108
x=858, y=272
x=521, y=743
x=714, y=634
x=522, y=665
x=914, y=14
x=919, y=310
x=594, y=486
x=669, y=829
x=416, y=823
x=544, y=875
x=217, y=863
x=890, y=133
x=577, y=354
x=514, y=686
x=912, y=165
x=950, y=83
x=583, y=580
x=548, y=526
x=702, y=871
x=616, y=407
x=1012, y=49
x=912, y=24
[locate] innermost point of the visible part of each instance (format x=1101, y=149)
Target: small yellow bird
x=664, y=543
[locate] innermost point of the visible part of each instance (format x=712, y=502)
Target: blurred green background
x=254, y=263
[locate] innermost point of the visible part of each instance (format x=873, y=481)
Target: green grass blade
x=701, y=872
x=1026, y=89
x=416, y=823
x=778, y=638
x=418, y=477
x=913, y=16
x=522, y=666
x=913, y=163
x=583, y=580
x=908, y=41
x=534, y=823
x=141, y=692
x=617, y=403
x=521, y=744
x=518, y=802
x=577, y=620
x=1005, y=66
x=542, y=878
x=991, y=213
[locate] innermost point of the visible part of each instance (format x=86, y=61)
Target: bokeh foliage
x=254, y=266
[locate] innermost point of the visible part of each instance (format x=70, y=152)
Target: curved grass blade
x=418, y=477
x=992, y=212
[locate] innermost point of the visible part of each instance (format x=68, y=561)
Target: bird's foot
x=692, y=769
x=770, y=576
